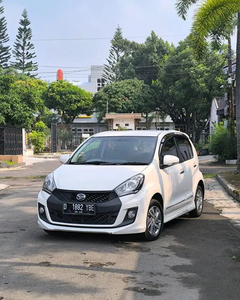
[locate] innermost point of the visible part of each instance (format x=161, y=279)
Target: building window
x=85, y=130
x=90, y=129
x=100, y=83
x=126, y=124
x=79, y=129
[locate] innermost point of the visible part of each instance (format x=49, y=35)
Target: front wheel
x=198, y=203
x=154, y=221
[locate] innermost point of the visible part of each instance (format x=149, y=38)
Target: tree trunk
x=238, y=94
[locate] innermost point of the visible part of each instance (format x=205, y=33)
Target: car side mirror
x=64, y=158
x=169, y=160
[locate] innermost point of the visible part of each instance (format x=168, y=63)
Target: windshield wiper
x=133, y=163
x=92, y=162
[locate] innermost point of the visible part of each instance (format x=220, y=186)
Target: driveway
x=194, y=259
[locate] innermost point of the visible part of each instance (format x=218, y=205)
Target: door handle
x=182, y=172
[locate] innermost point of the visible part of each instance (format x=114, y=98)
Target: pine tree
x=112, y=70
x=4, y=50
x=23, y=48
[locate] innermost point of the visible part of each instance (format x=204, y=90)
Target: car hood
x=92, y=177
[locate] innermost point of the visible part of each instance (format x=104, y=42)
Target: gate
x=11, y=140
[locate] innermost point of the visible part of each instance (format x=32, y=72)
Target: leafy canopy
x=68, y=100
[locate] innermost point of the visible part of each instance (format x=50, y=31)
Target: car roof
x=135, y=133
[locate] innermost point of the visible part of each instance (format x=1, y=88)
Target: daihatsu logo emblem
x=80, y=197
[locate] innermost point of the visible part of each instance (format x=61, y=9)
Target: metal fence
x=11, y=140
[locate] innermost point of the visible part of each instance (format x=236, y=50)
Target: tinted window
x=169, y=148
x=116, y=150
x=185, y=148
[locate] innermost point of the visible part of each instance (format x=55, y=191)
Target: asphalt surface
x=194, y=259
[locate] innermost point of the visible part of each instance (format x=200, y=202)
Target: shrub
x=223, y=143
x=38, y=140
x=40, y=126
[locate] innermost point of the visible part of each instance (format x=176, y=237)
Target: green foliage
x=111, y=69
x=144, y=61
x=186, y=86
x=20, y=100
x=124, y=97
x=37, y=138
x=40, y=126
x=4, y=50
x=223, y=143
x=23, y=48
x=68, y=100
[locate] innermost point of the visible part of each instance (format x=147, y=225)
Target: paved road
x=194, y=259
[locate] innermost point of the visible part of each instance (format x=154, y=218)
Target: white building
x=95, y=80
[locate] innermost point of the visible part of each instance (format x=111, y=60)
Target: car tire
x=154, y=221
x=197, y=211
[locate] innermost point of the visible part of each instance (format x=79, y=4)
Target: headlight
x=131, y=186
x=49, y=184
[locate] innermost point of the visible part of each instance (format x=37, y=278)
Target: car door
x=172, y=179
x=188, y=164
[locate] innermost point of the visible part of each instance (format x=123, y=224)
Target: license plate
x=79, y=208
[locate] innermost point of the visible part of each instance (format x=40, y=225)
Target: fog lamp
x=132, y=214
x=41, y=210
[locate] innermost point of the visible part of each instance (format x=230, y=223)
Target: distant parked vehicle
x=123, y=182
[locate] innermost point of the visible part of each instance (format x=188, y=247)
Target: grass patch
x=210, y=175
x=232, y=178
x=9, y=163
x=35, y=177
x=24, y=177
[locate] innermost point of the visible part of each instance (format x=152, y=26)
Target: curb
x=229, y=188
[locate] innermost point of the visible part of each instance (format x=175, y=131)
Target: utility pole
x=230, y=85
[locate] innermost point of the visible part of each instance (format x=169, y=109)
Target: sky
x=72, y=35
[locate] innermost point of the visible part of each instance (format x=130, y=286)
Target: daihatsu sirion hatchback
x=123, y=182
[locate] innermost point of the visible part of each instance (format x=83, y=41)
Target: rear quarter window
x=185, y=148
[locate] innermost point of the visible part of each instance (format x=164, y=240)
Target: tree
x=111, y=71
x=125, y=96
x=20, y=100
x=143, y=61
x=209, y=17
x=186, y=86
x=4, y=50
x=68, y=100
x=24, y=49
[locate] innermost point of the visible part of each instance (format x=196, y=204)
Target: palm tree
x=210, y=16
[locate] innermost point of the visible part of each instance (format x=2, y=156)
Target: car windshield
x=116, y=151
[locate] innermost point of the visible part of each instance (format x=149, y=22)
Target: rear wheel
x=198, y=203
x=154, y=221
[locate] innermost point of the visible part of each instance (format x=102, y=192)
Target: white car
x=123, y=182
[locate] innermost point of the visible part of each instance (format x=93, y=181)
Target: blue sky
x=56, y=23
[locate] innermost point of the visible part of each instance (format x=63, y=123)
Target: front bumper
x=119, y=226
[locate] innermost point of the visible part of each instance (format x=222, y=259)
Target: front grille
x=98, y=219
x=94, y=197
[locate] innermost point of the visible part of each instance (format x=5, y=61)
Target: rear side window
x=185, y=148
